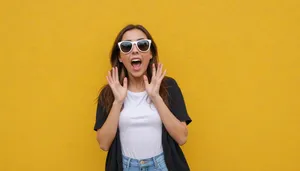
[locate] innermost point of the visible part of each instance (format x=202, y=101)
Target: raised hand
x=157, y=76
x=118, y=90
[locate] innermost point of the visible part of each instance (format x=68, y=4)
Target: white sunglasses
x=142, y=45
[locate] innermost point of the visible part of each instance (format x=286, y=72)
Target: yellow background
x=237, y=63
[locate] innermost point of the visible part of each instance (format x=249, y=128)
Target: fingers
x=159, y=74
x=113, y=76
x=153, y=70
x=107, y=80
x=159, y=68
x=125, y=83
x=108, y=77
x=146, y=80
x=163, y=75
x=116, y=74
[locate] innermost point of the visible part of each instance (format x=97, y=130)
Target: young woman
x=141, y=117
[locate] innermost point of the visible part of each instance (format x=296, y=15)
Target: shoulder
x=171, y=85
x=170, y=82
x=176, y=100
x=173, y=90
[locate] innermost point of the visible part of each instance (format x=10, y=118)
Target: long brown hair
x=106, y=96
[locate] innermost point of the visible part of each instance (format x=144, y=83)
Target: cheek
x=123, y=58
x=147, y=58
x=125, y=61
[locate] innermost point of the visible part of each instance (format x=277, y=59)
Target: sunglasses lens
x=126, y=46
x=143, y=45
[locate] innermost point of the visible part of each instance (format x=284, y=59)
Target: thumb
x=146, y=80
x=125, y=82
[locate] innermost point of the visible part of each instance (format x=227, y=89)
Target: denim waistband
x=153, y=161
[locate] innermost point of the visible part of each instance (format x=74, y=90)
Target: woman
x=141, y=116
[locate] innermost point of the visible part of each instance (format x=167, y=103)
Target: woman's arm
x=107, y=133
x=177, y=129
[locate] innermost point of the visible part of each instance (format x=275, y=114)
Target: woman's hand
x=118, y=90
x=157, y=76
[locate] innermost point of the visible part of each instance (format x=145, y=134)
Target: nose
x=135, y=49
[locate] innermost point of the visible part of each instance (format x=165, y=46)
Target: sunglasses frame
x=134, y=43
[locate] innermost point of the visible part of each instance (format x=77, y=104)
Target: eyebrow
x=137, y=39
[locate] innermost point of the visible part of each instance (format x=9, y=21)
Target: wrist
x=117, y=103
x=156, y=99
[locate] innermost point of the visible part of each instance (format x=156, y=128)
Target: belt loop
x=155, y=162
x=128, y=162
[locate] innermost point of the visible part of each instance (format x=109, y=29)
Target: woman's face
x=135, y=61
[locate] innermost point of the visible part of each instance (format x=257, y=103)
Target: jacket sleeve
x=101, y=116
x=176, y=100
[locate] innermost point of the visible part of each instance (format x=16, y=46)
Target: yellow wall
x=237, y=62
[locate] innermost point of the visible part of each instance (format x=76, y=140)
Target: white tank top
x=140, y=127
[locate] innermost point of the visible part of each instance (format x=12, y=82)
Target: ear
x=120, y=60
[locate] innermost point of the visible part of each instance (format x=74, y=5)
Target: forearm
x=107, y=133
x=175, y=128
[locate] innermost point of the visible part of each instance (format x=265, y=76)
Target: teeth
x=135, y=60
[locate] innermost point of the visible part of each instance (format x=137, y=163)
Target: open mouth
x=136, y=64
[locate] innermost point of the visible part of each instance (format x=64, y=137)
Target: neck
x=136, y=84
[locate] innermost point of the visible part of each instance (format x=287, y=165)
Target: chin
x=137, y=74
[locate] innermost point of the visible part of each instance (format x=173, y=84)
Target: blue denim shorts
x=156, y=163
